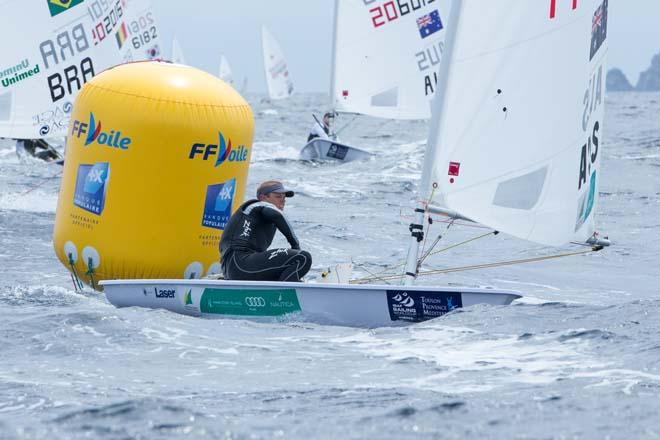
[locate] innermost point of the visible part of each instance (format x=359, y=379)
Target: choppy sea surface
x=577, y=357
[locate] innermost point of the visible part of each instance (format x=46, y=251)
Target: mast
x=264, y=56
x=333, y=59
x=439, y=111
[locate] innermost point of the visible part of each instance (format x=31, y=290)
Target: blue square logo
x=217, y=208
x=92, y=186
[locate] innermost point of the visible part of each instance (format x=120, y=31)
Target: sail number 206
x=393, y=9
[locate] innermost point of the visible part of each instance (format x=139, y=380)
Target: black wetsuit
x=39, y=149
x=244, y=246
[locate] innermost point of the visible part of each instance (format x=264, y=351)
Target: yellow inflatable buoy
x=157, y=157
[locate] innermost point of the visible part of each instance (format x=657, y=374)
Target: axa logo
x=58, y=6
x=222, y=151
x=93, y=132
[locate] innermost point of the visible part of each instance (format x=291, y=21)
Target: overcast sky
x=207, y=28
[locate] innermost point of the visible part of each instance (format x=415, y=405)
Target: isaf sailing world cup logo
x=404, y=299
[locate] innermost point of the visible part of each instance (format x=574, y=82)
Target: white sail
x=224, y=72
x=139, y=32
x=177, y=52
x=518, y=125
x=68, y=43
x=386, y=56
x=278, y=79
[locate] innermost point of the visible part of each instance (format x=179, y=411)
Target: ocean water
x=577, y=357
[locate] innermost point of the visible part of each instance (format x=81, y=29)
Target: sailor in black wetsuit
x=250, y=230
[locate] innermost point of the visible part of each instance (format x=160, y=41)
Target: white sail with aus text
x=386, y=56
x=516, y=135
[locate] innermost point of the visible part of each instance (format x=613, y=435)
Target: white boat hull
x=326, y=149
x=336, y=304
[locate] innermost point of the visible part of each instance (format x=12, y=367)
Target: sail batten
x=515, y=143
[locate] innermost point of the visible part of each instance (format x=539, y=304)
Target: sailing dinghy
x=514, y=144
x=385, y=62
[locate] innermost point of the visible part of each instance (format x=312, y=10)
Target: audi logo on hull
x=255, y=301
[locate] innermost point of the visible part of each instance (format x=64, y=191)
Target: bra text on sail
x=65, y=45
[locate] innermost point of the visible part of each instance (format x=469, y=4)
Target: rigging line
x=505, y=263
x=336, y=133
x=45, y=179
x=484, y=266
x=366, y=280
x=374, y=276
x=469, y=225
x=377, y=275
x=462, y=243
x=435, y=243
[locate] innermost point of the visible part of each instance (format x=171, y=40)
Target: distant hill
x=649, y=80
x=617, y=81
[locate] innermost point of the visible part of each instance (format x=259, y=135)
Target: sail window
x=388, y=98
x=522, y=192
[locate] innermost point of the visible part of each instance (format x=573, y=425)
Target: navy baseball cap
x=273, y=186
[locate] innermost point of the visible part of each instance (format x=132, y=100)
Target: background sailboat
x=278, y=80
x=40, y=86
x=224, y=71
x=177, y=52
x=385, y=61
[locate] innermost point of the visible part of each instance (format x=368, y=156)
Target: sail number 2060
x=393, y=9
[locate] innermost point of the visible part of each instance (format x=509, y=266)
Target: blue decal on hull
x=418, y=306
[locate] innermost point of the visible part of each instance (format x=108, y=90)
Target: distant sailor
x=322, y=131
x=38, y=148
x=250, y=230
